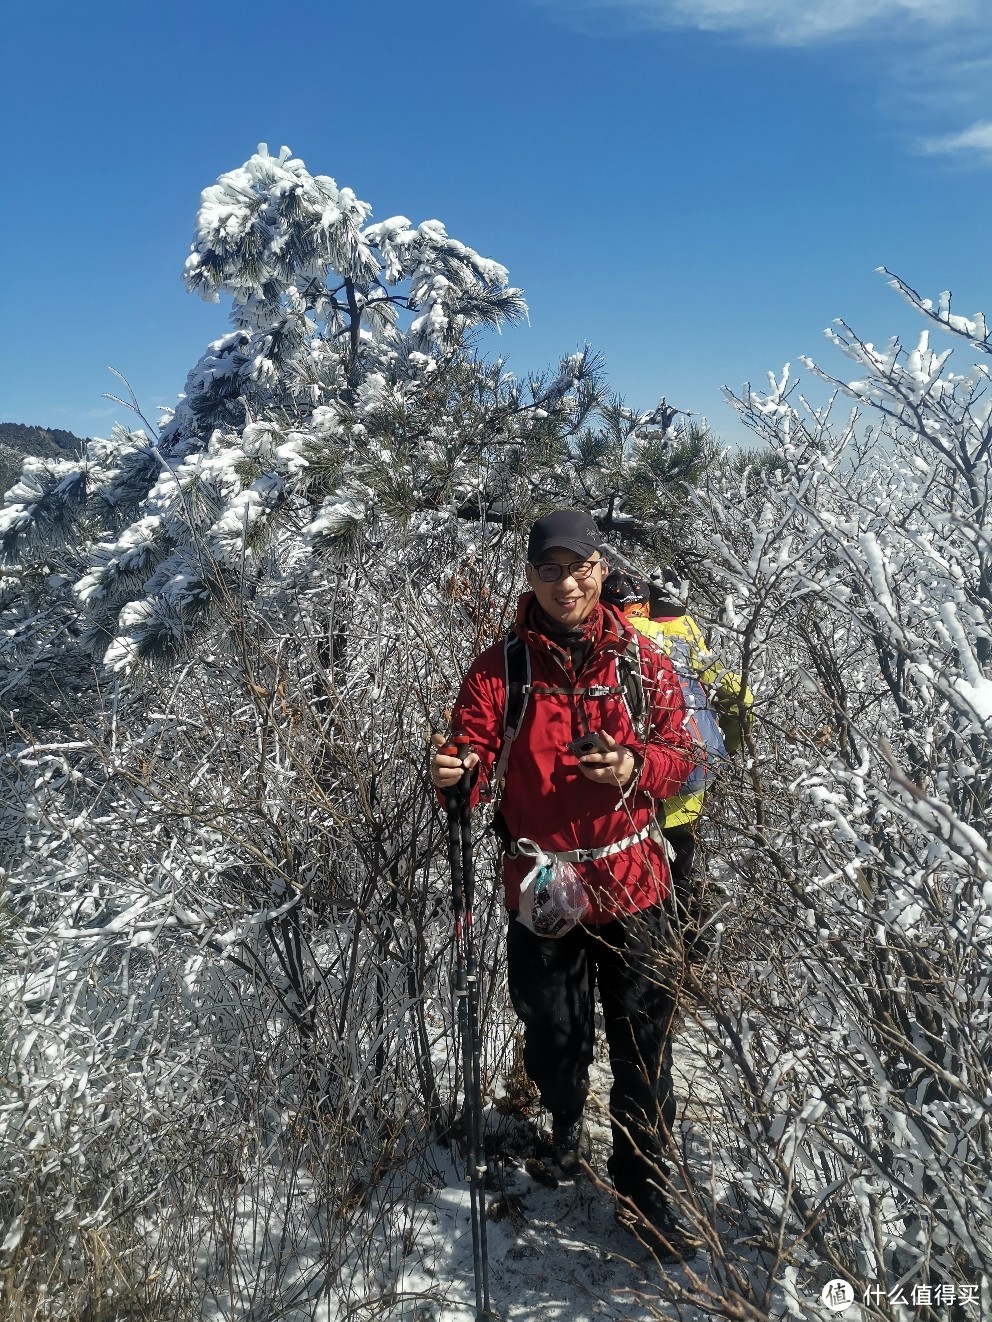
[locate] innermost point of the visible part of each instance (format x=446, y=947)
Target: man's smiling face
x=571, y=598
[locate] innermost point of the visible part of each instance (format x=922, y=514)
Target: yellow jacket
x=681, y=638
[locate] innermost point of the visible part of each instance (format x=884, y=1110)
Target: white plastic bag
x=552, y=897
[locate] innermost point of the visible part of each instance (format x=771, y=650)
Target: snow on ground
x=555, y=1254
x=561, y=1258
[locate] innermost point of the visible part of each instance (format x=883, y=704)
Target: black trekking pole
x=466, y=991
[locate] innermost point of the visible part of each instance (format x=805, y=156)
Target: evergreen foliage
x=18, y=440
x=346, y=400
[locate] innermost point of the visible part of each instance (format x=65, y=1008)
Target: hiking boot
x=570, y=1144
x=653, y=1222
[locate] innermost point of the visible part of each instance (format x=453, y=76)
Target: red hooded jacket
x=546, y=798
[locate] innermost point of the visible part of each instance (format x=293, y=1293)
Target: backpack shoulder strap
x=516, y=664
x=517, y=669
x=631, y=678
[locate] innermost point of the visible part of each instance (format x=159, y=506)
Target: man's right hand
x=446, y=769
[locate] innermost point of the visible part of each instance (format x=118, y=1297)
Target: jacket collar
x=611, y=638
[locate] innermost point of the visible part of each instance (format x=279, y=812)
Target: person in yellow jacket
x=655, y=608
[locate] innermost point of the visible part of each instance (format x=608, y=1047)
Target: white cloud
x=976, y=140
x=928, y=62
x=785, y=22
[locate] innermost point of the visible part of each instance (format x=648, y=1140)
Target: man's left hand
x=617, y=766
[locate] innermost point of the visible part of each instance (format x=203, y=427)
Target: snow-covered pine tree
x=345, y=395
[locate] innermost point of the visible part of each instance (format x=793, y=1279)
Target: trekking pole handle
x=459, y=745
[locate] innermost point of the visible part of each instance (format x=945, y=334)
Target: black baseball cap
x=623, y=589
x=572, y=529
x=668, y=593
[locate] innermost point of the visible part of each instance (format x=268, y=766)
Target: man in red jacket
x=596, y=811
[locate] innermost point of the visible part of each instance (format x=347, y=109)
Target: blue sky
x=694, y=187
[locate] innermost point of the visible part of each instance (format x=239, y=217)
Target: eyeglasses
x=580, y=570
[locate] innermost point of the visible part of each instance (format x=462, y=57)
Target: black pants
x=551, y=987
x=685, y=904
x=682, y=903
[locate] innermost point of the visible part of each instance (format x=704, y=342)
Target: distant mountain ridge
x=17, y=440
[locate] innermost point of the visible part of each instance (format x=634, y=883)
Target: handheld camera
x=592, y=742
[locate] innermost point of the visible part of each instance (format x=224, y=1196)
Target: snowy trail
x=562, y=1258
